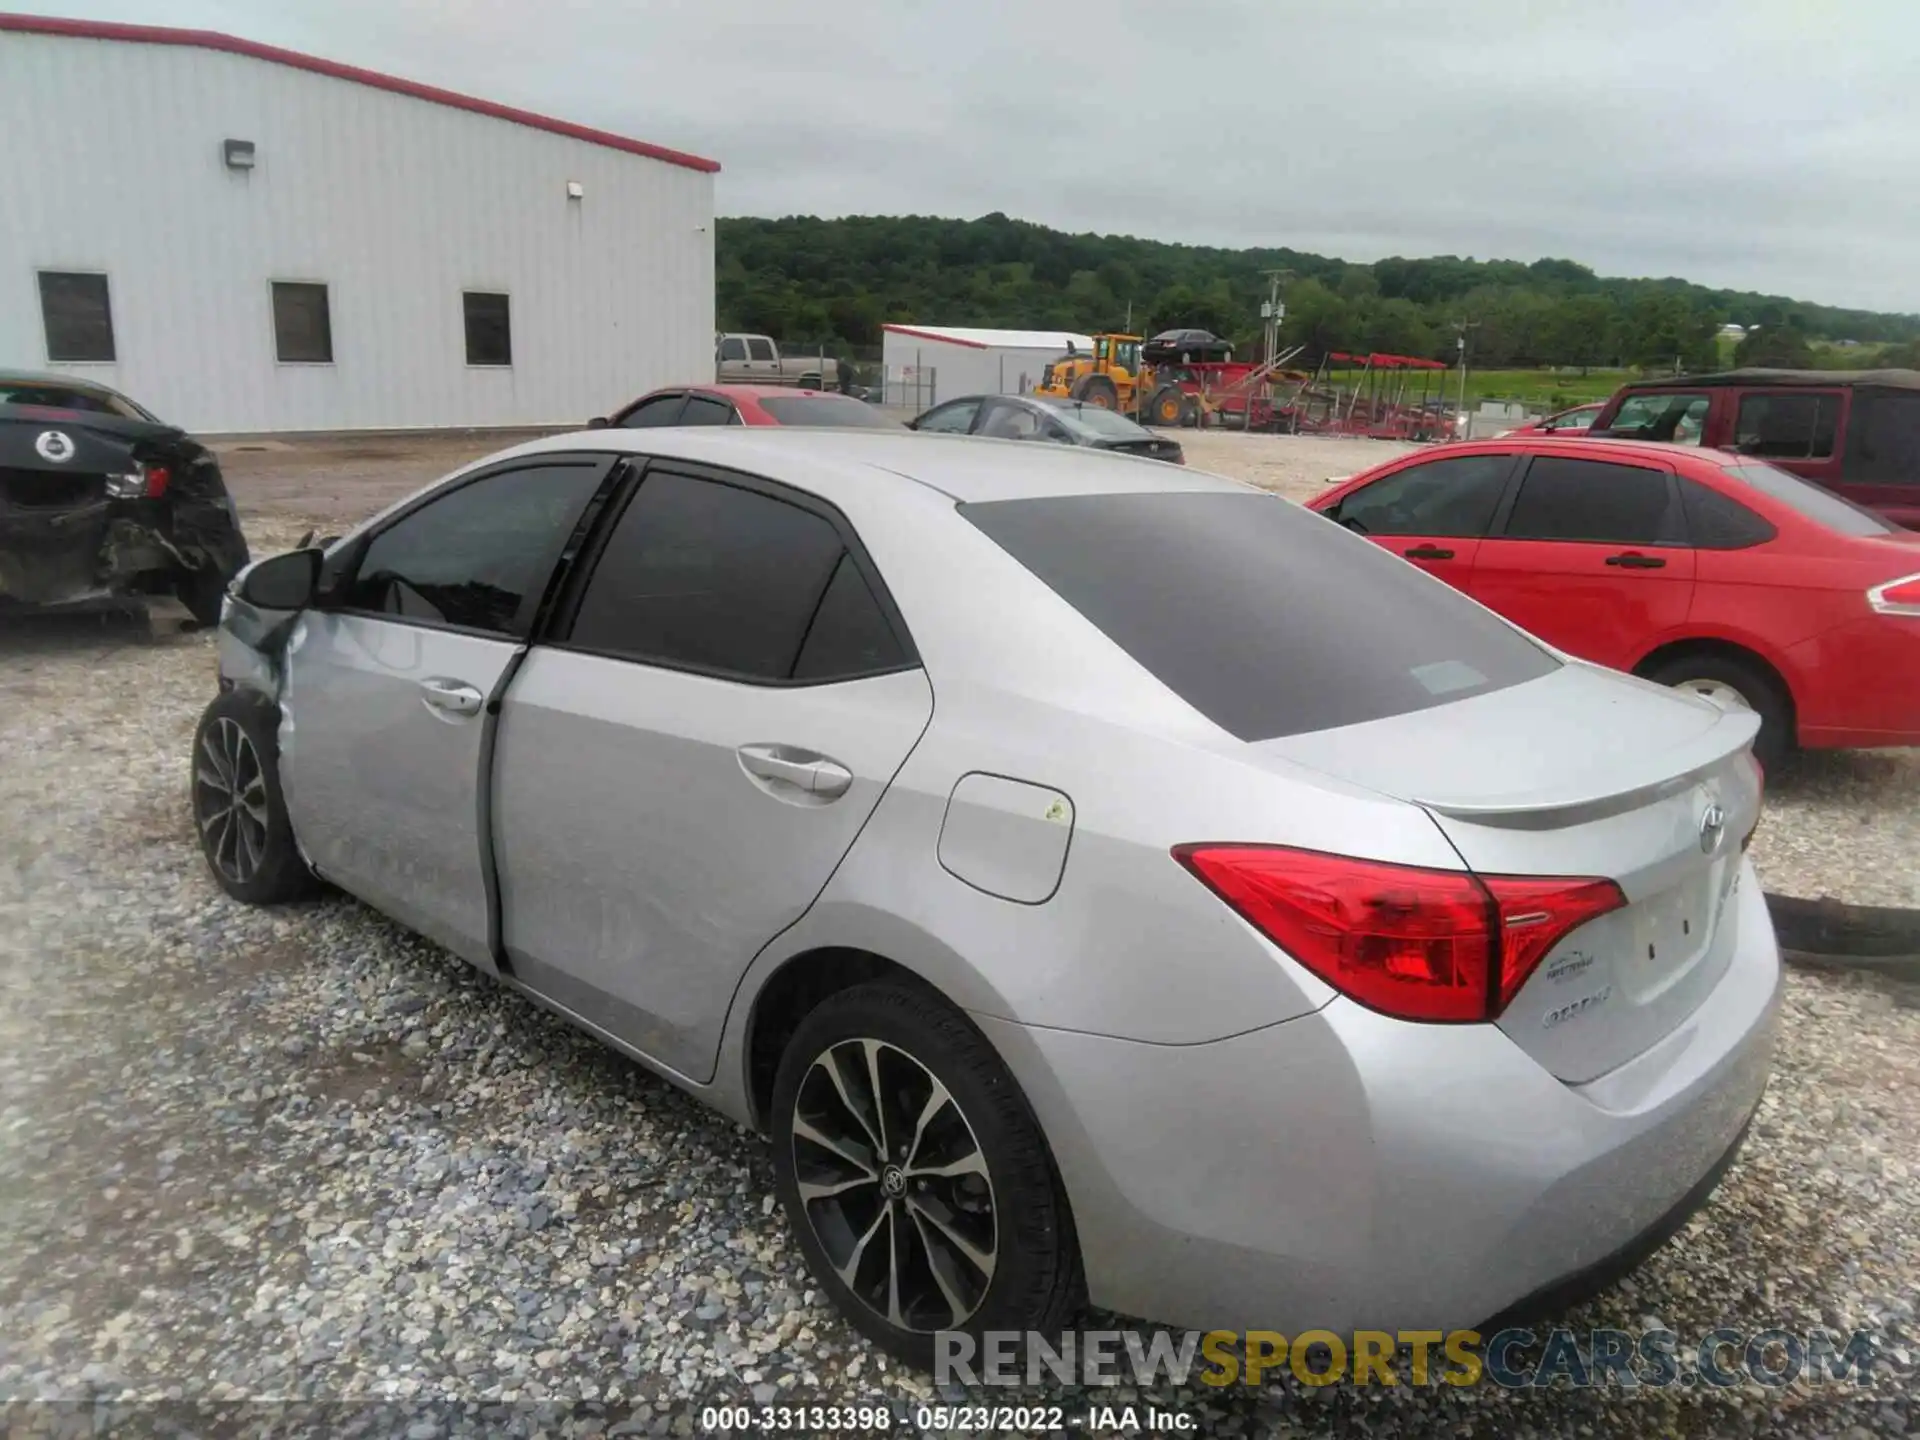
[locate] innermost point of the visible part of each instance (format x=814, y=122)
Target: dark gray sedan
x=1041, y=417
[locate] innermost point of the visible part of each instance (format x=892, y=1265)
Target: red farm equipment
x=1383, y=397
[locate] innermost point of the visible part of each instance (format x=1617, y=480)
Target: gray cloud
x=1763, y=144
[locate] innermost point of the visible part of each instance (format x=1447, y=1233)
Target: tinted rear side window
x=1715, y=522
x=1264, y=617
x=850, y=635
x=711, y=577
x=1564, y=499
x=1886, y=446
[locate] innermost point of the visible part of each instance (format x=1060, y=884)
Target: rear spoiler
x=1580, y=800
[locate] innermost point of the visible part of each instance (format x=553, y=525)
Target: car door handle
x=1633, y=560
x=802, y=769
x=1428, y=552
x=452, y=696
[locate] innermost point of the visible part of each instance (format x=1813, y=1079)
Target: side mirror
x=598, y=422
x=284, y=582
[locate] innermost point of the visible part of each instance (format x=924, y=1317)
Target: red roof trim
x=938, y=339
x=213, y=40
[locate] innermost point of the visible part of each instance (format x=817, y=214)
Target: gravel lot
x=301, y=1156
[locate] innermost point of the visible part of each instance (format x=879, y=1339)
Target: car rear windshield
x=1264, y=617
x=833, y=411
x=1817, y=504
x=69, y=397
x=1102, y=424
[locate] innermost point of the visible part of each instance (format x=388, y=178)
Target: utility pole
x=1460, y=329
x=1272, y=312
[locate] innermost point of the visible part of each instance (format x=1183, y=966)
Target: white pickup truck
x=756, y=360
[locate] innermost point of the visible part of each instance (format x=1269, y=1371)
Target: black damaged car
x=99, y=498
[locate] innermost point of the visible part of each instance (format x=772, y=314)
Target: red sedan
x=1708, y=571
x=746, y=405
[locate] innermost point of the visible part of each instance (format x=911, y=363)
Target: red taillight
x=1417, y=944
x=158, y=477
x=1897, y=597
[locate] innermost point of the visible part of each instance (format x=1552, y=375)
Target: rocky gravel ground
x=304, y=1171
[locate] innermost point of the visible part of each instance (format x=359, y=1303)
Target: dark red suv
x=1857, y=432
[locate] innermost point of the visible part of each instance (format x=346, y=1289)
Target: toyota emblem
x=1713, y=824
x=55, y=446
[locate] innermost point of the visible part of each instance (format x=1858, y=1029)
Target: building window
x=302, y=329
x=78, y=318
x=489, y=336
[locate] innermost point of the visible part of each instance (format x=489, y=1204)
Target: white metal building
x=247, y=239
x=969, y=361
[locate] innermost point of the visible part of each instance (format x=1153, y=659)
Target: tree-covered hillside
x=808, y=281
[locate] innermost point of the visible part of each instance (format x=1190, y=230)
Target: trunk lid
x=1583, y=773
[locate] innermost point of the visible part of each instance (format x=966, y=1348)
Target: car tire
x=987, y=1243
x=1732, y=681
x=239, y=810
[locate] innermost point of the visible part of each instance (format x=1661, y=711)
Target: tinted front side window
x=1264, y=617
x=1786, y=427
x=733, y=348
x=708, y=577
x=1564, y=499
x=1442, y=497
x=1678, y=417
x=660, y=410
x=954, y=419
x=479, y=556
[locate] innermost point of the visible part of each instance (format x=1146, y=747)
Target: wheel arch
x=1720, y=647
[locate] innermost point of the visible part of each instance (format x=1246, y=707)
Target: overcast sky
x=1764, y=144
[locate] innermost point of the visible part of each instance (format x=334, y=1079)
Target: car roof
x=1592, y=445
x=836, y=464
x=45, y=377
x=1890, y=379
x=759, y=392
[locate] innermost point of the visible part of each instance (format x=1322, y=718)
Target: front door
x=1591, y=556
x=1432, y=513
x=387, y=686
x=681, y=770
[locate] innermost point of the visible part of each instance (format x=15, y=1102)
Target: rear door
x=1591, y=556
x=681, y=769
x=384, y=706
x=1433, y=513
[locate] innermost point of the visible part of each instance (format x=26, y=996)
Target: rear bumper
x=1347, y=1171
x=1863, y=689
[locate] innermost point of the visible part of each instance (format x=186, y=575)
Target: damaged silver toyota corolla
x=99, y=498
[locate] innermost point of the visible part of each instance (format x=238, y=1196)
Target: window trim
x=695, y=393
x=610, y=465
x=466, y=336
x=273, y=325
x=1517, y=462
x=557, y=633
x=46, y=335
x=1503, y=513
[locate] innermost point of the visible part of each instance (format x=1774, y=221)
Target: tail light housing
x=1897, y=597
x=143, y=482
x=1444, y=946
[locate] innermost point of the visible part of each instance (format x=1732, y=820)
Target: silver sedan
x=1099, y=880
